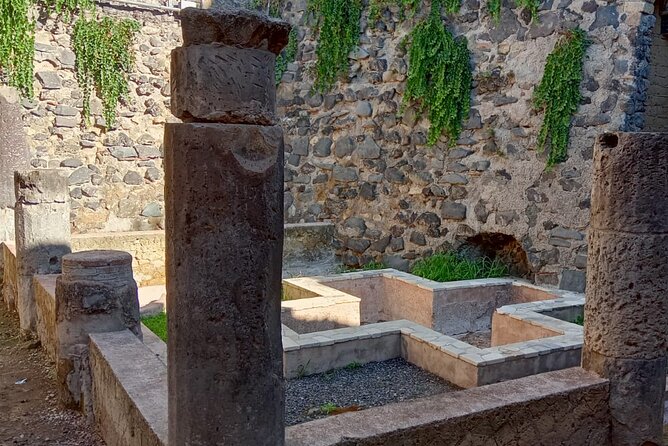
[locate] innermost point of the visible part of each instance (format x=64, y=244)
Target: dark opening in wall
x=504, y=247
x=656, y=107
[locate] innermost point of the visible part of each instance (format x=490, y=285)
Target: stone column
x=14, y=155
x=42, y=216
x=626, y=312
x=224, y=232
x=96, y=293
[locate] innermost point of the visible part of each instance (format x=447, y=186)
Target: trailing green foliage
x=288, y=55
x=558, y=93
x=449, y=266
x=157, y=324
x=531, y=5
x=450, y=6
x=376, y=7
x=68, y=7
x=339, y=29
x=494, y=9
x=579, y=320
x=17, y=44
x=104, y=58
x=439, y=77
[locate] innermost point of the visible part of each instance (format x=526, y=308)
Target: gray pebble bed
x=360, y=387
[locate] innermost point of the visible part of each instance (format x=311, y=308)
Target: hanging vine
x=558, y=94
x=439, y=77
x=450, y=6
x=494, y=9
x=376, y=7
x=104, y=58
x=67, y=7
x=289, y=54
x=531, y=5
x=339, y=30
x=17, y=44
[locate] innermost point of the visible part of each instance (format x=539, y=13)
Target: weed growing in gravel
x=328, y=408
x=157, y=324
x=449, y=266
x=354, y=366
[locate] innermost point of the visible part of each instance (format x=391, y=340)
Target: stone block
x=236, y=28
x=223, y=84
x=453, y=211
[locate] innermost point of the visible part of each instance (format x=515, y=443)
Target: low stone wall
x=9, y=275
x=508, y=330
x=45, y=300
x=308, y=250
x=564, y=407
x=146, y=247
x=130, y=390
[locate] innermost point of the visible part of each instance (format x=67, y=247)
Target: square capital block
x=215, y=83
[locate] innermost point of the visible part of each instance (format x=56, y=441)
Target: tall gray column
x=96, y=293
x=626, y=312
x=14, y=155
x=43, y=236
x=224, y=232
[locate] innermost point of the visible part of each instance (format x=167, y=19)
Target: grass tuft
x=157, y=324
x=450, y=266
x=579, y=320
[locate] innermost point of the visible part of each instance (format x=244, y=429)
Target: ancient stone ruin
x=279, y=263
x=626, y=335
x=224, y=232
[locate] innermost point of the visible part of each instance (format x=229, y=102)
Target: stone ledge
x=130, y=390
x=446, y=419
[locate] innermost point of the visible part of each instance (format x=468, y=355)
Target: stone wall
x=116, y=175
x=354, y=157
x=147, y=249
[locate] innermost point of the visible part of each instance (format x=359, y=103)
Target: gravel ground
x=359, y=387
x=480, y=339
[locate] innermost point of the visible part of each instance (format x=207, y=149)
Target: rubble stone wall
x=356, y=156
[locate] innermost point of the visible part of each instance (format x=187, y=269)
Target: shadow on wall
x=504, y=247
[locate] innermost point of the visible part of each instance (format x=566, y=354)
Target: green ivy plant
x=17, y=44
x=439, y=77
x=376, y=7
x=558, y=94
x=68, y=7
x=494, y=9
x=450, y=6
x=338, y=27
x=531, y=5
x=288, y=55
x=104, y=58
